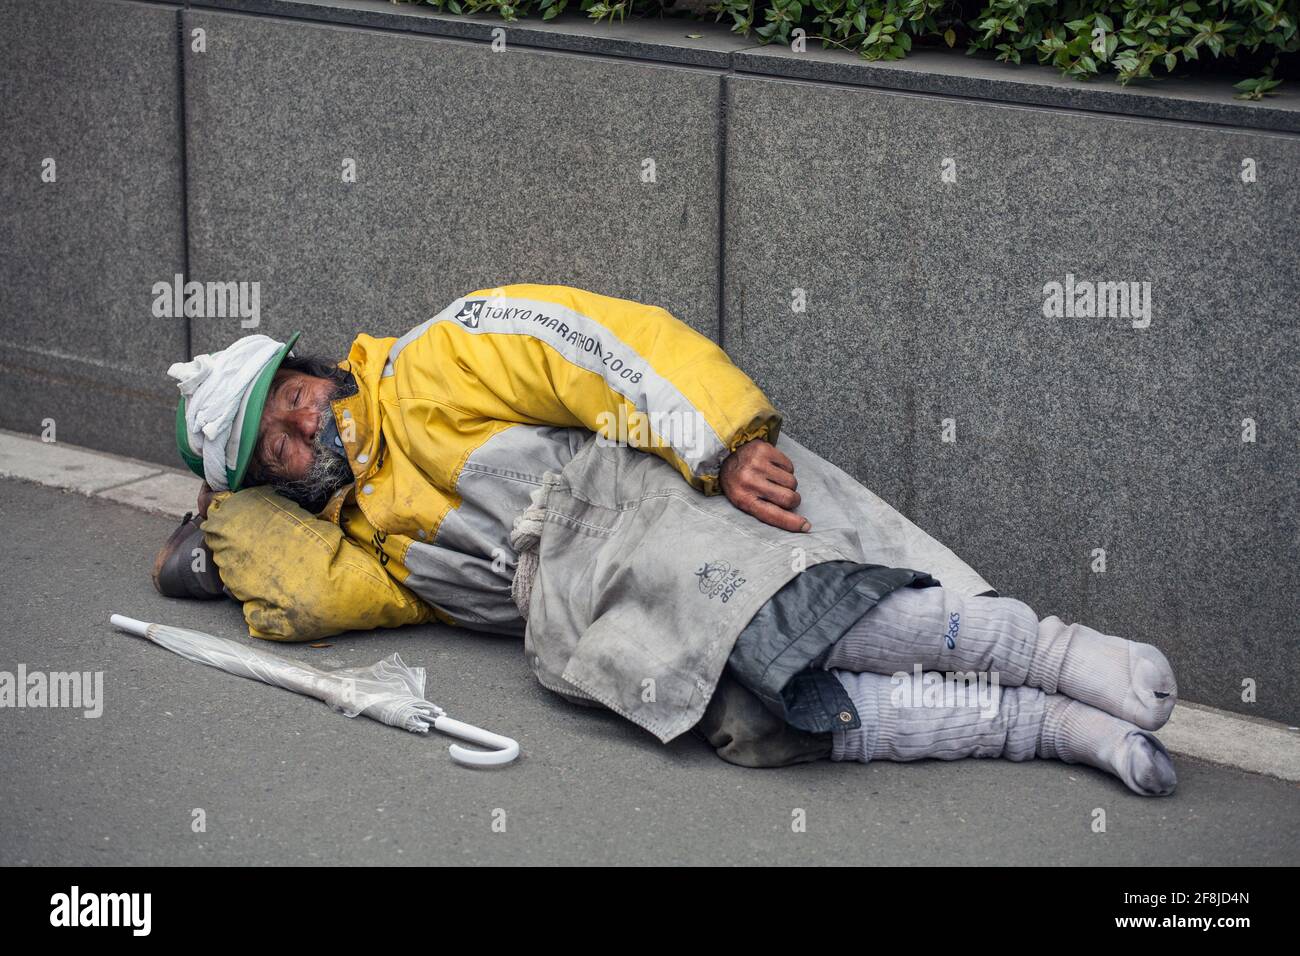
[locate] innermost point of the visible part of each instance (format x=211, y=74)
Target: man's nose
x=304, y=422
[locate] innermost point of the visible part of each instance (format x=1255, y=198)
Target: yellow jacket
x=451, y=429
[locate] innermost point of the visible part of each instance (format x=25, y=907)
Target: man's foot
x=1127, y=679
x=1078, y=733
x=184, y=567
x=1023, y=723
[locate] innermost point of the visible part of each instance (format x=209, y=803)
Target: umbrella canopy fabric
x=389, y=691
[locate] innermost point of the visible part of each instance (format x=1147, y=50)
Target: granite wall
x=876, y=244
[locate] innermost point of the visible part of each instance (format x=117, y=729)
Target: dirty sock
x=940, y=629
x=1126, y=679
x=1025, y=723
x=896, y=725
x=1077, y=733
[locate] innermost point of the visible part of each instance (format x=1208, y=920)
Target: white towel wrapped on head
x=216, y=389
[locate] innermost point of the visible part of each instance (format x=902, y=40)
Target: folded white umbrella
x=389, y=691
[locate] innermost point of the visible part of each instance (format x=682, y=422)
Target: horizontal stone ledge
x=952, y=73
x=661, y=40
x=941, y=72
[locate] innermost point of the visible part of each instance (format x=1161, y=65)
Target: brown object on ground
x=174, y=569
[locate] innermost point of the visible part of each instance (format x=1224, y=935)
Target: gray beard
x=329, y=472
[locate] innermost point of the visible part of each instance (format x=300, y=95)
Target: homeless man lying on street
x=591, y=474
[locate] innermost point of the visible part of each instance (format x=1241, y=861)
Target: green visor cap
x=249, y=425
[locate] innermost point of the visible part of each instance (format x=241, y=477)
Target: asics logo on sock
x=954, y=625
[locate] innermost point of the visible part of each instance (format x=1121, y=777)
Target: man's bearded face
x=291, y=455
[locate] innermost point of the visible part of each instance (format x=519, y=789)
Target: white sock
x=1129, y=680
x=1077, y=733
x=1026, y=723
x=943, y=630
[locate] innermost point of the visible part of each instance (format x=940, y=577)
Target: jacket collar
x=358, y=417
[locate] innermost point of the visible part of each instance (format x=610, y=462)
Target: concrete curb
x=97, y=474
x=1217, y=736
x=1205, y=733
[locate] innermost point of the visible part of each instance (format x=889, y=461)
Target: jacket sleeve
x=298, y=576
x=556, y=355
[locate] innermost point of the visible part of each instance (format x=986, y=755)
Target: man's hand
x=759, y=479
x=205, y=498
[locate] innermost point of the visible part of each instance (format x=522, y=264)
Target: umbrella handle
x=130, y=624
x=503, y=749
